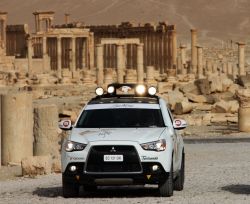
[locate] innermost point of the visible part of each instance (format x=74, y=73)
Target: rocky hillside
x=224, y=19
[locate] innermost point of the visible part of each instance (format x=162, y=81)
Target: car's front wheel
x=166, y=188
x=179, y=181
x=70, y=190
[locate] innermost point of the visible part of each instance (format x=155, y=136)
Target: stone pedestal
x=17, y=127
x=244, y=110
x=150, y=75
x=45, y=131
x=108, y=76
x=87, y=77
x=130, y=76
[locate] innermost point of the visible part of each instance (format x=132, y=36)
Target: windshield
x=120, y=118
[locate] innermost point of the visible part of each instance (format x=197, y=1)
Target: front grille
x=96, y=164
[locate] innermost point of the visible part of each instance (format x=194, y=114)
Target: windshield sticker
x=123, y=106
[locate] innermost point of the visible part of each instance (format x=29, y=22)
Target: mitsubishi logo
x=113, y=149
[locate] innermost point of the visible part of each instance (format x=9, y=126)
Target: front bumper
x=147, y=176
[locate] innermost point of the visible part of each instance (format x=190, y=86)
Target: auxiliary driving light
x=99, y=91
x=111, y=89
x=72, y=168
x=155, y=167
x=152, y=91
x=140, y=89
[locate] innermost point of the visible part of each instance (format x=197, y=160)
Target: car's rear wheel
x=179, y=181
x=70, y=190
x=166, y=188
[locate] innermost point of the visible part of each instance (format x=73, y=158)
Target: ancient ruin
x=63, y=64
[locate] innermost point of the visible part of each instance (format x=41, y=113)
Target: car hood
x=140, y=135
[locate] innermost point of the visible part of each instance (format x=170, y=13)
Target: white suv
x=126, y=136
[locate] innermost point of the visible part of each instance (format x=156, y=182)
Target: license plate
x=113, y=158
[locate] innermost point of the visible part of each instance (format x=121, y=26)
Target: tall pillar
x=241, y=58
x=59, y=57
x=174, y=49
x=3, y=19
x=91, y=50
x=17, y=127
x=120, y=63
x=0, y=131
x=183, y=59
x=66, y=18
x=229, y=68
x=140, y=68
x=200, y=61
x=83, y=52
x=193, y=51
x=73, y=55
x=44, y=53
x=30, y=54
x=99, y=64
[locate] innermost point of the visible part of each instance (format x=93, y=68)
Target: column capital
x=241, y=43
x=183, y=46
x=193, y=30
x=140, y=45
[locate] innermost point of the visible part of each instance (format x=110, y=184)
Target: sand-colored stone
x=17, y=127
x=183, y=107
x=45, y=130
x=196, y=98
x=36, y=165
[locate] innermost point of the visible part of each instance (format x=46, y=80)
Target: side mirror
x=65, y=125
x=179, y=124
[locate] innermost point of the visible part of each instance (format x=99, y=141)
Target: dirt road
x=215, y=173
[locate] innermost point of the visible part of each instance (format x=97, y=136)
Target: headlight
x=158, y=146
x=70, y=146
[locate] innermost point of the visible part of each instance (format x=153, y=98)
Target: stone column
x=140, y=68
x=66, y=18
x=200, y=61
x=91, y=50
x=243, y=96
x=229, y=68
x=17, y=127
x=99, y=64
x=241, y=58
x=84, y=53
x=120, y=63
x=45, y=131
x=30, y=54
x=73, y=55
x=0, y=131
x=59, y=57
x=150, y=74
x=183, y=59
x=174, y=49
x=209, y=68
x=108, y=76
x=44, y=53
x=193, y=51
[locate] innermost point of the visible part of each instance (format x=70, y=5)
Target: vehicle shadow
x=237, y=189
x=102, y=192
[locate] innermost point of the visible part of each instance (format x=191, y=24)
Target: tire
x=70, y=190
x=90, y=188
x=167, y=187
x=179, y=181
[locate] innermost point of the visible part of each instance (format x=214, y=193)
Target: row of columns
x=197, y=57
x=58, y=54
x=121, y=57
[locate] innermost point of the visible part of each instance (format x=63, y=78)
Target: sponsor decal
x=104, y=133
x=178, y=123
x=149, y=158
x=76, y=158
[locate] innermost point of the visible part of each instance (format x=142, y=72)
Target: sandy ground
x=215, y=173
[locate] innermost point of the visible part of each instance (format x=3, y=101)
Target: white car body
x=133, y=137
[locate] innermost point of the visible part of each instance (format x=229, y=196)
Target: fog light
x=99, y=91
x=72, y=168
x=155, y=167
x=111, y=89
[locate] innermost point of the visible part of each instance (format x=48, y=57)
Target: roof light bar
x=99, y=91
x=111, y=89
x=140, y=90
x=151, y=91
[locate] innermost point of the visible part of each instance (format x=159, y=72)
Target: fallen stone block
x=190, y=88
x=183, y=107
x=221, y=107
x=219, y=118
x=203, y=107
x=36, y=165
x=196, y=98
x=204, y=86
